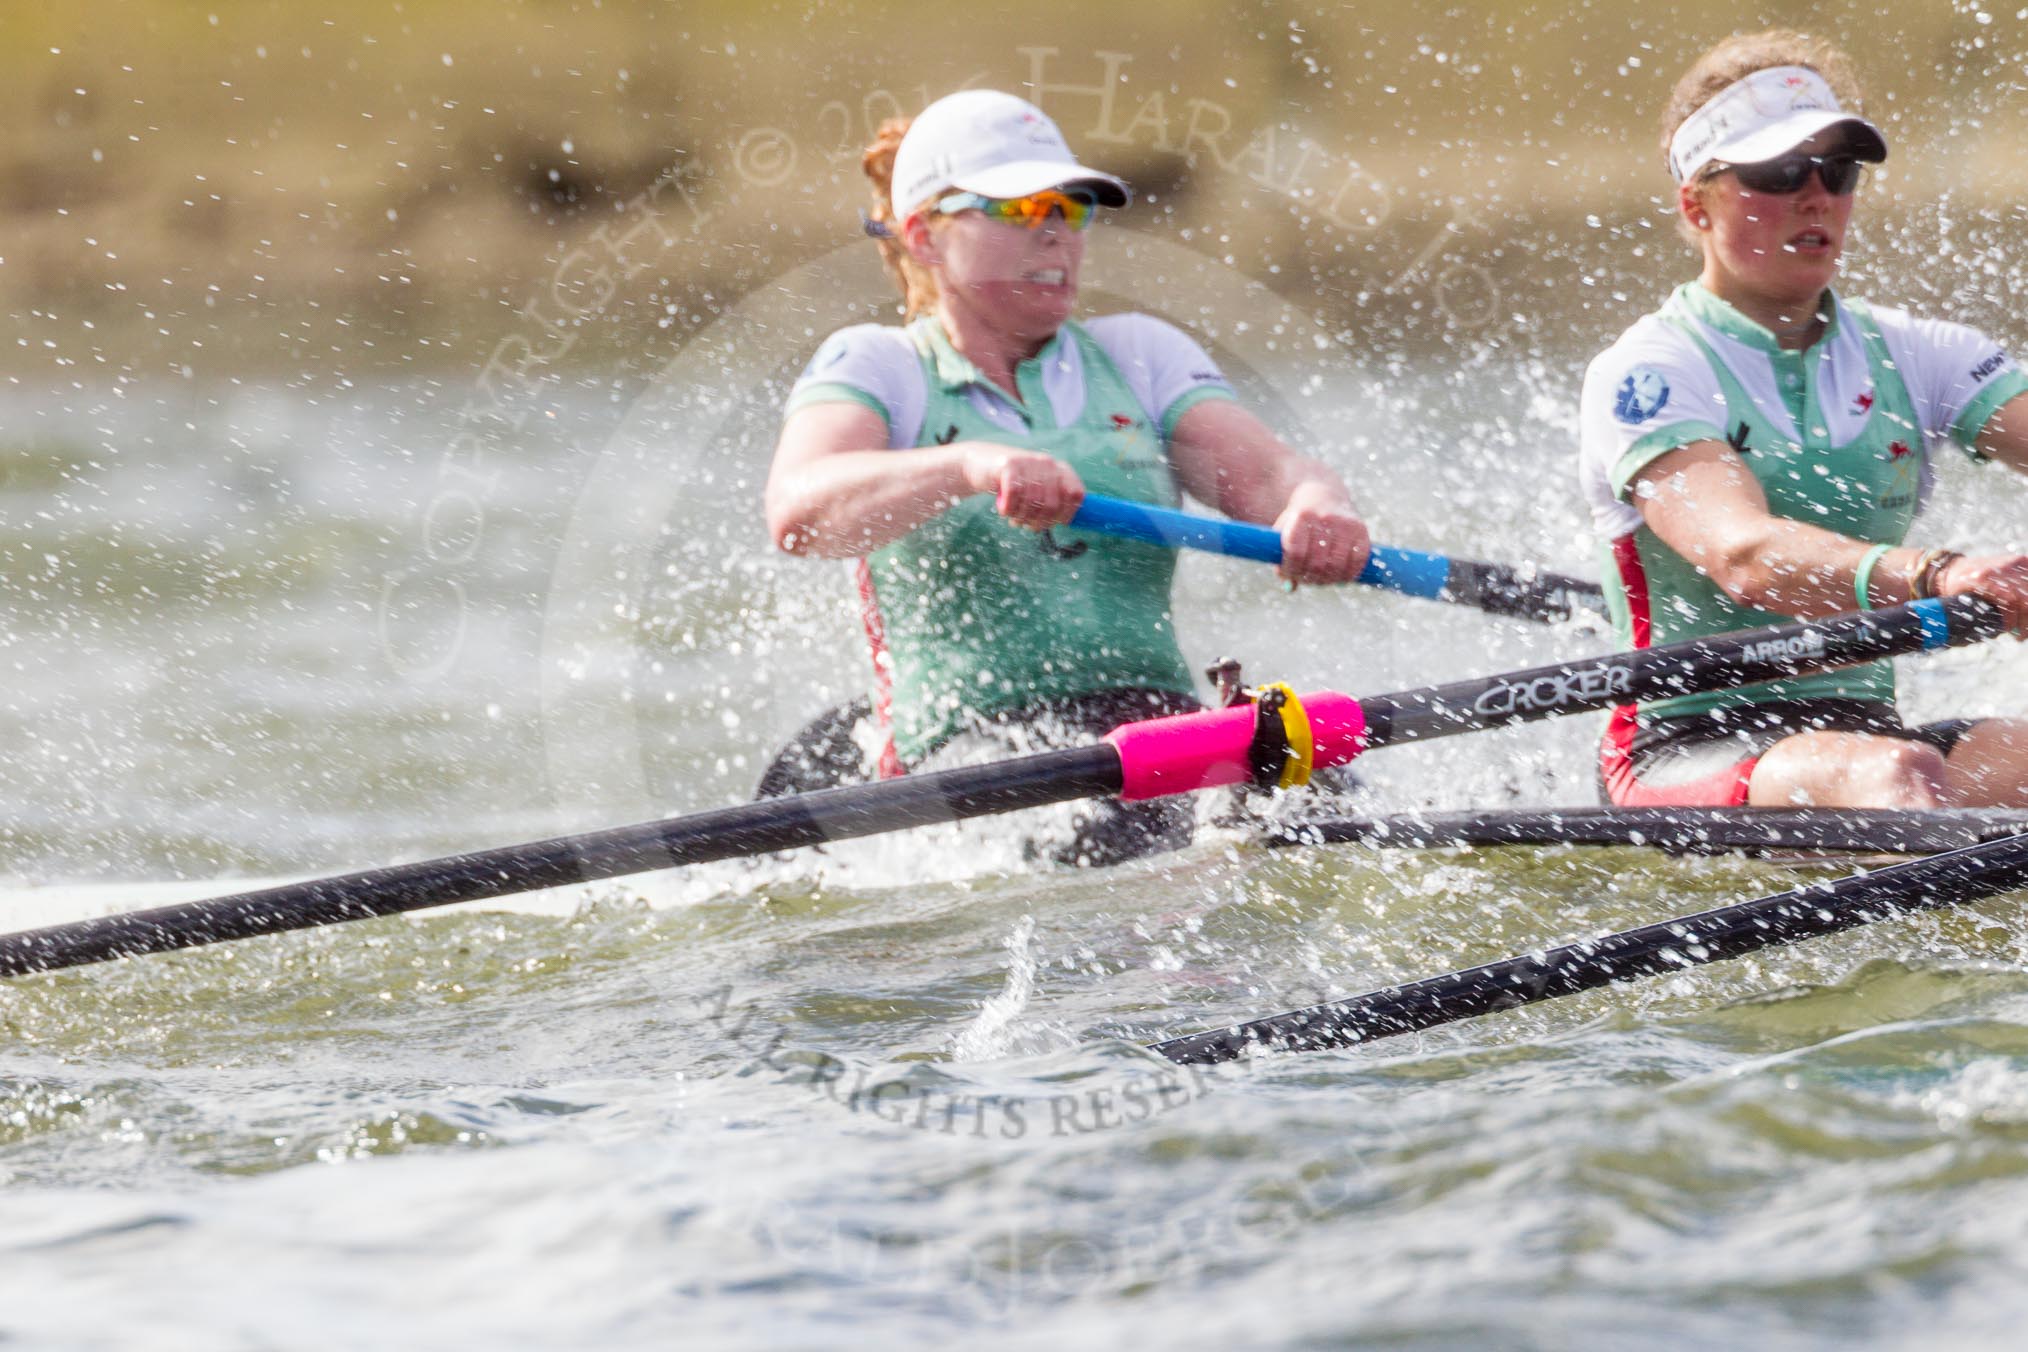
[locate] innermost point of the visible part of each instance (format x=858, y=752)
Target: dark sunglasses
x=1838, y=173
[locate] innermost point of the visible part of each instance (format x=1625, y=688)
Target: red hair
x=918, y=286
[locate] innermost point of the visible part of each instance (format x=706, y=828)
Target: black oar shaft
x=1030, y=781
x=745, y=829
x=1500, y=590
x=1651, y=950
x=1679, y=668
x=1492, y=587
x=1679, y=830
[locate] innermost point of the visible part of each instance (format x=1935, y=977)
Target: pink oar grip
x=1165, y=756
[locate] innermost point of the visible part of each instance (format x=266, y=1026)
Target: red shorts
x=1707, y=760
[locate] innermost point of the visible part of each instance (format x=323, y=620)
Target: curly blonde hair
x=918, y=286
x=1740, y=56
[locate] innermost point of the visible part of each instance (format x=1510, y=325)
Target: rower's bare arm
x=1705, y=504
x=835, y=489
x=2005, y=437
x=2001, y=579
x=1229, y=458
x=1226, y=456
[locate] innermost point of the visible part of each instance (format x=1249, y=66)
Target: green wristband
x=1863, y=579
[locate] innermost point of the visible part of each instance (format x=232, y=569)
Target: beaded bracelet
x=1931, y=572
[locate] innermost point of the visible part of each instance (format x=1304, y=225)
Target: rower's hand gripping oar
x=1967, y=874
x=1275, y=741
x=1491, y=587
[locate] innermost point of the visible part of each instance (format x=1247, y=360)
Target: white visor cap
x=1764, y=115
x=993, y=144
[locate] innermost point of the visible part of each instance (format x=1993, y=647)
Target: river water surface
x=891, y=1089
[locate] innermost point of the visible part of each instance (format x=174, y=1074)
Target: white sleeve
x=1648, y=394
x=871, y=364
x=1164, y=366
x=1956, y=375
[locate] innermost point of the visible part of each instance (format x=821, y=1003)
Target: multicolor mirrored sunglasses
x=1075, y=205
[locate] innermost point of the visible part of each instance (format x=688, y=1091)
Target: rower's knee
x=1989, y=765
x=1905, y=775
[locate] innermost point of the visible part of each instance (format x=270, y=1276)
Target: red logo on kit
x=1863, y=403
x=1898, y=450
x=1121, y=422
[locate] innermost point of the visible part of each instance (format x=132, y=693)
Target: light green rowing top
x=1867, y=488
x=982, y=616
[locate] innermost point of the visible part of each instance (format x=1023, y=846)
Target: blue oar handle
x=1177, y=530
x=1410, y=572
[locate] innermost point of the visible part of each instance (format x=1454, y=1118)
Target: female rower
x=944, y=456
x=1757, y=448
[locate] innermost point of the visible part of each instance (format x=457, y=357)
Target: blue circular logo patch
x=1641, y=395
